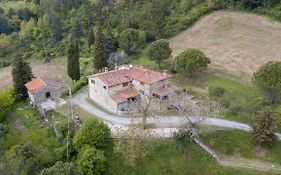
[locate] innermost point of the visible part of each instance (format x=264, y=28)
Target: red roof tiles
x=35, y=84
x=38, y=83
x=124, y=95
x=129, y=73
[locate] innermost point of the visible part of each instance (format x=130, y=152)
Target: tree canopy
x=129, y=41
x=159, y=51
x=268, y=78
x=73, y=63
x=190, y=61
x=6, y=101
x=93, y=133
x=263, y=131
x=22, y=74
x=91, y=161
x=60, y=168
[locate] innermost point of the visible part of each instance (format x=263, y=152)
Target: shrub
x=216, y=91
x=94, y=133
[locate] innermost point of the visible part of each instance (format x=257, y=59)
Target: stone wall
x=39, y=96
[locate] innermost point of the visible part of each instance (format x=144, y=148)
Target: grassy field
x=173, y=158
x=237, y=43
x=237, y=144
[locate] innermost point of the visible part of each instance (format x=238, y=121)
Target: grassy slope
x=236, y=42
x=238, y=144
x=171, y=157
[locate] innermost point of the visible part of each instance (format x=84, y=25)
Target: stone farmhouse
x=114, y=89
x=40, y=90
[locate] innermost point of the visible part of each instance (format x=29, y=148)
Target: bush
x=91, y=161
x=94, y=133
x=216, y=91
x=183, y=136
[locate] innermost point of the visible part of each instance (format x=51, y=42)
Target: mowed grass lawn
x=237, y=144
x=169, y=157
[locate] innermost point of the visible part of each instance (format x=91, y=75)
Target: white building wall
x=100, y=95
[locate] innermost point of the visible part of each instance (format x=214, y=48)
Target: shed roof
x=39, y=83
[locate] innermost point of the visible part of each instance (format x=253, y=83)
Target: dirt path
x=236, y=42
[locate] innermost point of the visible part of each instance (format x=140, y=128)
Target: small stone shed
x=41, y=90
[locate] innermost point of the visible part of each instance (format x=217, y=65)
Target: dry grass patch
x=237, y=43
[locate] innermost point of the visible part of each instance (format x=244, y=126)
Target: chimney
x=105, y=69
x=164, y=73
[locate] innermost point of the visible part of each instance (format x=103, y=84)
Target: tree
x=73, y=64
x=190, y=61
x=263, y=134
x=159, y=51
x=4, y=25
x=111, y=43
x=129, y=41
x=77, y=29
x=6, y=101
x=60, y=168
x=91, y=37
x=93, y=133
x=99, y=50
x=91, y=161
x=152, y=17
x=22, y=74
x=268, y=79
x=20, y=159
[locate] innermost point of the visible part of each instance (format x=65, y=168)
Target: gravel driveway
x=161, y=122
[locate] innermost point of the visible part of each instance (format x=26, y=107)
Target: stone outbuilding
x=41, y=90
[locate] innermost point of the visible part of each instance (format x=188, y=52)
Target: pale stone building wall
x=41, y=96
x=100, y=95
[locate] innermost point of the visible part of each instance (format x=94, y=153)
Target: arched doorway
x=48, y=95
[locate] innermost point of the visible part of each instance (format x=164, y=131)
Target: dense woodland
x=41, y=29
x=108, y=32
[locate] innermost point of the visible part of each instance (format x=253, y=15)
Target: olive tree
x=190, y=61
x=268, y=79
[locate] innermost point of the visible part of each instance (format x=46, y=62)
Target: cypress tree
x=111, y=44
x=91, y=37
x=99, y=50
x=22, y=74
x=263, y=134
x=73, y=63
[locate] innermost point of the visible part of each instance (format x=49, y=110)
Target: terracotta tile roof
x=127, y=73
x=124, y=95
x=35, y=84
x=38, y=83
x=165, y=90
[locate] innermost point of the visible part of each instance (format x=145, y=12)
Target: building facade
x=114, y=89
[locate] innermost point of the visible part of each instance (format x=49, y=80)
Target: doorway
x=48, y=95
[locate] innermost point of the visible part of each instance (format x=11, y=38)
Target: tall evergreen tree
x=99, y=50
x=91, y=37
x=111, y=43
x=263, y=134
x=22, y=74
x=73, y=63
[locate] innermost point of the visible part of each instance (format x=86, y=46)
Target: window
x=93, y=82
x=141, y=83
x=125, y=84
x=142, y=92
x=104, y=87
